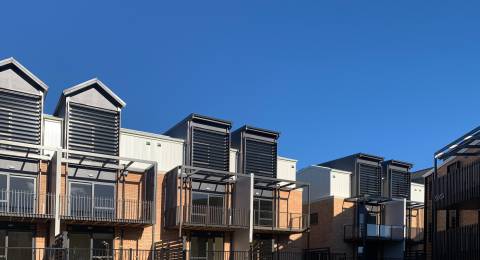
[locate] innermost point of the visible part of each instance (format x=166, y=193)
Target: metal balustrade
x=287, y=221
x=86, y=208
x=415, y=234
x=24, y=204
x=374, y=232
x=27, y=253
x=212, y=216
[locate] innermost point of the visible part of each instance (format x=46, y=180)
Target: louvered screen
x=93, y=130
x=400, y=184
x=20, y=118
x=260, y=158
x=210, y=149
x=370, y=180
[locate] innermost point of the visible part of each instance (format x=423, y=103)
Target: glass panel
x=104, y=201
x=22, y=194
x=199, y=208
x=199, y=248
x=19, y=245
x=79, y=246
x=81, y=199
x=3, y=193
x=3, y=236
x=216, y=214
x=256, y=208
x=102, y=246
x=215, y=246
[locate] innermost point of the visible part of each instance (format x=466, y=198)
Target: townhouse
x=452, y=200
x=76, y=185
x=364, y=206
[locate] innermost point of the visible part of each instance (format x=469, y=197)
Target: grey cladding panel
x=370, y=180
x=210, y=149
x=260, y=157
x=92, y=174
x=93, y=130
x=20, y=117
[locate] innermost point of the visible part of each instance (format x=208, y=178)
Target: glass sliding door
x=207, y=247
x=17, y=193
x=85, y=246
x=263, y=212
x=80, y=199
x=104, y=201
x=95, y=200
x=22, y=194
x=208, y=208
x=16, y=244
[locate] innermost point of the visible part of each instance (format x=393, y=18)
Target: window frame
x=92, y=187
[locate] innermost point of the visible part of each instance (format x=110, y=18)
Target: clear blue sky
x=393, y=78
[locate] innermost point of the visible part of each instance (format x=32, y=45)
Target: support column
x=55, y=180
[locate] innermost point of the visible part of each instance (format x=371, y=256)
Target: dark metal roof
x=259, y=131
x=399, y=163
x=461, y=145
x=417, y=176
x=355, y=155
x=197, y=117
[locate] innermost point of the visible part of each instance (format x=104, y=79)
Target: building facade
x=452, y=200
x=76, y=183
x=365, y=207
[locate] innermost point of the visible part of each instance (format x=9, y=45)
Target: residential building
x=77, y=184
x=361, y=205
x=452, y=200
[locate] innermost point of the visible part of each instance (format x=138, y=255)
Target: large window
x=263, y=211
x=207, y=247
x=207, y=208
x=91, y=245
x=92, y=200
x=16, y=244
x=17, y=193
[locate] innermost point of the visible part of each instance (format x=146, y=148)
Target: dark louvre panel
x=93, y=130
x=400, y=184
x=260, y=158
x=20, y=118
x=210, y=149
x=370, y=180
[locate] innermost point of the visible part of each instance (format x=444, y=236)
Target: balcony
x=374, y=232
x=459, y=188
x=21, y=204
x=208, y=217
x=105, y=210
x=285, y=222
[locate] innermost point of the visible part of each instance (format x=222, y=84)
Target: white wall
x=325, y=182
x=286, y=168
x=233, y=160
x=340, y=183
x=166, y=151
x=417, y=192
x=52, y=132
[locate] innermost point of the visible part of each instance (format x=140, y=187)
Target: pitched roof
x=12, y=62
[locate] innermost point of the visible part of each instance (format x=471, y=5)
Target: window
x=263, y=212
x=314, y=219
x=92, y=200
x=452, y=219
x=17, y=193
x=207, y=208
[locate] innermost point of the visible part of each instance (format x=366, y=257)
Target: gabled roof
x=84, y=85
x=12, y=62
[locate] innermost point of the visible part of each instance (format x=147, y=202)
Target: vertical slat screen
x=20, y=118
x=260, y=158
x=210, y=149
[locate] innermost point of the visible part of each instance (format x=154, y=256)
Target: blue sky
x=393, y=78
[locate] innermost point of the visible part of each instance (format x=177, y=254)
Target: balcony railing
x=85, y=208
x=286, y=221
x=29, y=253
x=212, y=216
x=458, y=186
x=374, y=232
x=26, y=204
